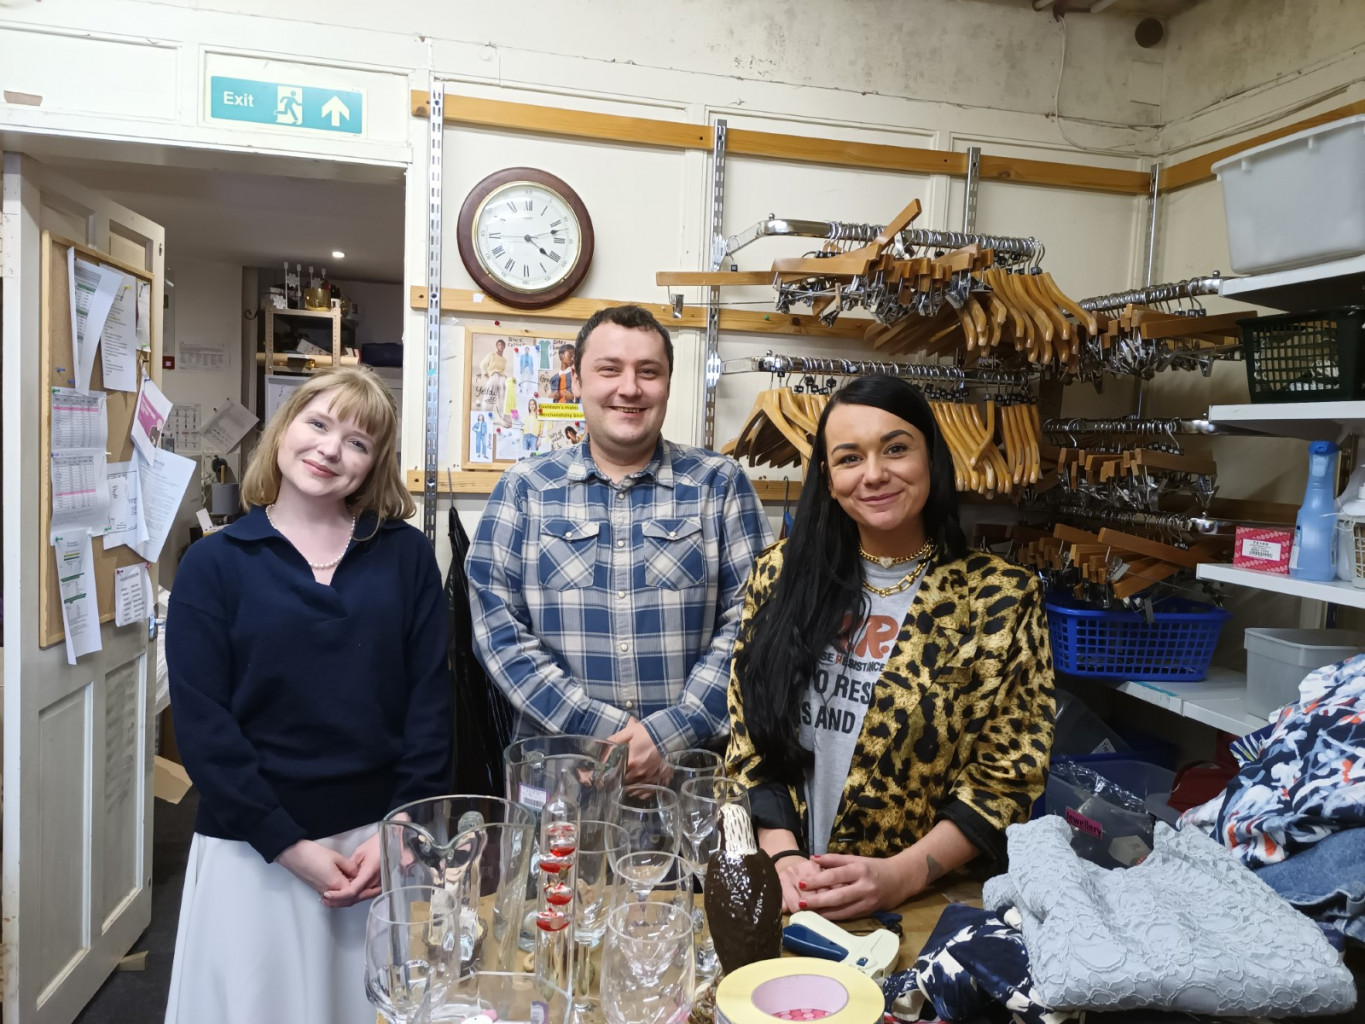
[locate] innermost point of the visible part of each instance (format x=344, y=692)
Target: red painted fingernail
x=802, y=904
x=801, y=884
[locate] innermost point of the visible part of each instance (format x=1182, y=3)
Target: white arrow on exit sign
x=336, y=110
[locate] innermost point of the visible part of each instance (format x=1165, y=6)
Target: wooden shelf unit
x=334, y=315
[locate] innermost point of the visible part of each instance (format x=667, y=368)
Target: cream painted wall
x=1223, y=52
x=206, y=311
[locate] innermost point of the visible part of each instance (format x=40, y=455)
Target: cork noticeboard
x=58, y=370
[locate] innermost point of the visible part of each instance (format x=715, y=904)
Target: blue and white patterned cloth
x=596, y=602
x=1309, y=780
x=974, y=963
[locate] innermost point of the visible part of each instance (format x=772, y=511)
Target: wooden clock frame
x=469, y=251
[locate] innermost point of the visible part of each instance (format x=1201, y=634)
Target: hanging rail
x=1186, y=289
x=839, y=231
x=1144, y=427
x=1167, y=522
x=780, y=364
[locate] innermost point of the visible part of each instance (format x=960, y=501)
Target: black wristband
x=775, y=857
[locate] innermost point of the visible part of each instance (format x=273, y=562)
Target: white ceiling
x=244, y=209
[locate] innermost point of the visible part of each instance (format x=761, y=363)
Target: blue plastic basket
x=1176, y=646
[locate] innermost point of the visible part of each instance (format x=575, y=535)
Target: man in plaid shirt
x=607, y=579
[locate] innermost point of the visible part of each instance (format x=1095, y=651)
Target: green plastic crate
x=1305, y=357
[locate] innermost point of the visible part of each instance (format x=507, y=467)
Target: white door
x=77, y=867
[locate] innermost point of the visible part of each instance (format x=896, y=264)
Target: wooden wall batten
x=464, y=302
x=528, y=117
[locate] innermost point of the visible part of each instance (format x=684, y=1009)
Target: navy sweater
x=304, y=710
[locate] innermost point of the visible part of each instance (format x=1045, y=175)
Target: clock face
x=527, y=236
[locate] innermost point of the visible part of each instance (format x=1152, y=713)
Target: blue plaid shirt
x=597, y=602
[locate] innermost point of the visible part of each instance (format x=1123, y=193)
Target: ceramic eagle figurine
x=743, y=895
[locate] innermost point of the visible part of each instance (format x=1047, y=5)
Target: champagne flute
x=647, y=965
x=411, y=948
x=701, y=801
x=601, y=845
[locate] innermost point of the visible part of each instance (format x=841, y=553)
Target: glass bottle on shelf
x=291, y=288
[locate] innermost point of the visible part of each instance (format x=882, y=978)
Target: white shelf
x=1334, y=592
x=1308, y=420
x=1218, y=701
x=1321, y=286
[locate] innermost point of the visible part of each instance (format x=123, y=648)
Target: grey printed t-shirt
x=838, y=696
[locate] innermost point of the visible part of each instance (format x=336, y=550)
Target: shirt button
x=620, y=495
x=629, y=705
x=620, y=543
x=672, y=533
x=621, y=594
x=624, y=648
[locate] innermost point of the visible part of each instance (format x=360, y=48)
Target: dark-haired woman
x=891, y=701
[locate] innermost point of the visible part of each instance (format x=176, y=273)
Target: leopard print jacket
x=961, y=720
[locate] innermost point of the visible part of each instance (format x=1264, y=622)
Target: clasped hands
x=840, y=886
x=644, y=762
x=339, y=881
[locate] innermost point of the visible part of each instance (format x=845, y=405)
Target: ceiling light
x=337, y=254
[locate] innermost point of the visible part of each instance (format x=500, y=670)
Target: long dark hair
x=819, y=589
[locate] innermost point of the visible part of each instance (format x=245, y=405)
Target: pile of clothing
x=1295, y=810
x=1196, y=927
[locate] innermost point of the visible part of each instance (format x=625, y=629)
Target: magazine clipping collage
x=524, y=398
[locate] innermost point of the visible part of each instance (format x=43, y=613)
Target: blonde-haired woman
x=306, y=646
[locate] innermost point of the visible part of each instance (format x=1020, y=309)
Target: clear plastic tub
x=1298, y=200
x=1278, y=659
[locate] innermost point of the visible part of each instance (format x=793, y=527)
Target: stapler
x=811, y=935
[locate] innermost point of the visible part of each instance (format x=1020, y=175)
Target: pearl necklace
x=315, y=565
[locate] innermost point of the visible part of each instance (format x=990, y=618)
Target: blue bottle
x=1313, y=556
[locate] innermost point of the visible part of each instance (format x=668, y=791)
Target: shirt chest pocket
x=674, y=553
x=568, y=554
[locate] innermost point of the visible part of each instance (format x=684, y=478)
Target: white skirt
x=255, y=944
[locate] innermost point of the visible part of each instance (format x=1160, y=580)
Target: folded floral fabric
x=1309, y=780
x=974, y=963
x=1190, y=928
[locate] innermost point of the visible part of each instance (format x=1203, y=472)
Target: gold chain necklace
x=887, y=561
x=314, y=565
x=926, y=549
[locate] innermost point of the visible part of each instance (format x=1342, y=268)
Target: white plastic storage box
x=1278, y=659
x=1298, y=200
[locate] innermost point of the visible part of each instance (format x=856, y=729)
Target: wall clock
x=525, y=237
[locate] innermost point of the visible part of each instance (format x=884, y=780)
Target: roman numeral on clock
x=509, y=264
x=498, y=252
x=555, y=256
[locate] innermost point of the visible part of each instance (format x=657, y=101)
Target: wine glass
x=647, y=964
x=649, y=814
x=701, y=801
x=681, y=765
x=665, y=876
x=411, y=948
x=487, y=996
